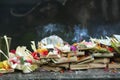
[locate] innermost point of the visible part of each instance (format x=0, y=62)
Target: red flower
x=13, y=61
x=29, y=61
x=35, y=55
x=110, y=49
x=13, y=51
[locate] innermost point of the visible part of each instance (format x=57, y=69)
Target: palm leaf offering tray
x=54, y=54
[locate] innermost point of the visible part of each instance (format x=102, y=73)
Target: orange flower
x=43, y=51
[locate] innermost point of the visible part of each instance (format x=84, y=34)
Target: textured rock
x=85, y=74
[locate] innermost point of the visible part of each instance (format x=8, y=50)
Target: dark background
x=72, y=20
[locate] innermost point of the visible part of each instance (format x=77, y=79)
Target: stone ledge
x=85, y=74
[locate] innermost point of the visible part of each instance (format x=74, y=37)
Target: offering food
x=22, y=60
x=54, y=54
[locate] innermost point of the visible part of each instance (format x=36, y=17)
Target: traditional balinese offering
x=54, y=54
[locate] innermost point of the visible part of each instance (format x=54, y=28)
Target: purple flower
x=73, y=48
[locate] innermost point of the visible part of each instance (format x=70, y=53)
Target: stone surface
x=68, y=75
